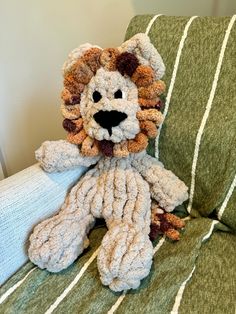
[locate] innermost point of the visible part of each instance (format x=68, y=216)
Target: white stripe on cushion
x=172, y=82
x=118, y=303
x=151, y=23
x=179, y=296
x=207, y=111
x=121, y=298
x=227, y=198
x=73, y=283
x=15, y=286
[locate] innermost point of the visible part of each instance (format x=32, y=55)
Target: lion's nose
x=108, y=119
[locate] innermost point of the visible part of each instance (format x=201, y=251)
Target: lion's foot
x=58, y=241
x=125, y=257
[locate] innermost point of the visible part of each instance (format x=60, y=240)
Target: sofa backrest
x=198, y=137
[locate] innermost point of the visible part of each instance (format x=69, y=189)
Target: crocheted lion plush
x=111, y=105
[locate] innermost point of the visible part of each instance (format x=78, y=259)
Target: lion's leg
x=59, y=240
x=126, y=252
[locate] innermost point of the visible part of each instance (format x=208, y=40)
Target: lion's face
x=111, y=97
x=108, y=107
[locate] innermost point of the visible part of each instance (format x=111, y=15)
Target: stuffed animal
x=111, y=105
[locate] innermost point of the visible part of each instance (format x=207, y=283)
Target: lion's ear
x=146, y=53
x=74, y=55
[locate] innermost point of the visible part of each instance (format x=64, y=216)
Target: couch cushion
x=27, y=198
x=78, y=288
x=201, y=109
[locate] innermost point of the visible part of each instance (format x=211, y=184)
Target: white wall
x=35, y=38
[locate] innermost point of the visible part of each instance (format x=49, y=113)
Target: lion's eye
x=96, y=96
x=118, y=94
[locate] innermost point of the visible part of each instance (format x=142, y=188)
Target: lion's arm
x=165, y=187
x=61, y=155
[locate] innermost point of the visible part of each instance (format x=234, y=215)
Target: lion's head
x=111, y=97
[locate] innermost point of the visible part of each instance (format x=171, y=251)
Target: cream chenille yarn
x=111, y=107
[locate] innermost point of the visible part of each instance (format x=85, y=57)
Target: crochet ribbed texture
x=118, y=190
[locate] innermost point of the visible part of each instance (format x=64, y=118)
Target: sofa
x=198, y=143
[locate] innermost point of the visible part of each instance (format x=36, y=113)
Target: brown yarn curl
x=92, y=59
x=148, y=128
x=164, y=223
x=143, y=76
x=81, y=72
x=89, y=147
x=152, y=91
x=127, y=63
x=108, y=58
x=149, y=103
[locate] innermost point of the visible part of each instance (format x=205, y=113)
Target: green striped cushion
x=216, y=159
x=78, y=289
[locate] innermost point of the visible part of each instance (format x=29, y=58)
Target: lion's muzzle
x=108, y=119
